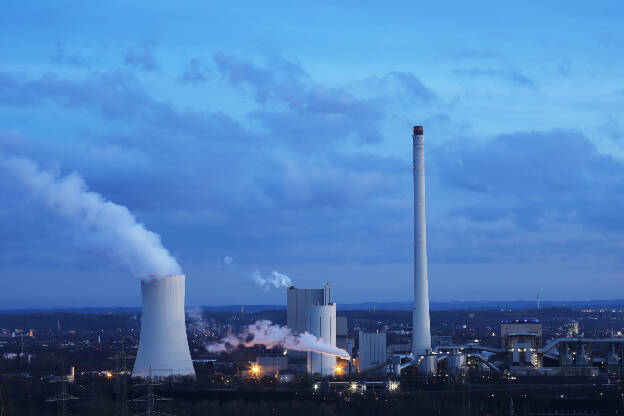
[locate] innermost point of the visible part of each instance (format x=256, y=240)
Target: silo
x=163, y=346
x=322, y=324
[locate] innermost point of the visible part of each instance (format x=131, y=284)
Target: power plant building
x=163, y=345
x=270, y=366
x=298, y=302
x=522, y=337
x=322, y=324
x=342, y=334
x=372, y=351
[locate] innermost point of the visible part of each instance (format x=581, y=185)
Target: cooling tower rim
x=153, y=279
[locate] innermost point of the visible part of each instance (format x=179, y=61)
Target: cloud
x=308, y=114
x=613, y=128
x=213, y=182
x=62, y=57
x=116, y=96
x=112, y=94
x=142, y=56
x=196, y=72
x=413, y=85
x=534, y=179
x=512, y=77
x=203, y=171
x=476, y=55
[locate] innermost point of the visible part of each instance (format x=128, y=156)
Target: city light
x=339, y=370
x=255, y=370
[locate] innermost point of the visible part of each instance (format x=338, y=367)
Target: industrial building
x=322, y=324
x=163, y=348
x=270, y=365
x=522, y=337
x=311, y=310
x=372, y=352
x=163, y=345
x=342, y=334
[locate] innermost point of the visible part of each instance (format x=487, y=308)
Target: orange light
x=339, y=370
x=255, y=369
x=109, y=375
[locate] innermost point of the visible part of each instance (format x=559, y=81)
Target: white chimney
x=421, y=337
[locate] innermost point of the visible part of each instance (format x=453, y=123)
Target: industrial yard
x=39, y=350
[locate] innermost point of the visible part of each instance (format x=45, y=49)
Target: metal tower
x=61, y=397
x=150, y=399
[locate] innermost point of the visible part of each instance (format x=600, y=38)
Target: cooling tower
x=421, y=337
x=163, y=345
x=322, y=324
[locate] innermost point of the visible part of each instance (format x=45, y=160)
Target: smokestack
x=421, y=337
x=163, y=346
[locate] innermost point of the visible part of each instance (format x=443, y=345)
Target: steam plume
x=96, y=222
x=275, y=279
x=271, y=335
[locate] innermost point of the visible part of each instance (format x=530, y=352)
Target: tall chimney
x=421, y=337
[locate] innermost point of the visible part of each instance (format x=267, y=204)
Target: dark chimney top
x=418, y=130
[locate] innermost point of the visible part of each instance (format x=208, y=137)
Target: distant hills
x=437, y=306
x=440, y=306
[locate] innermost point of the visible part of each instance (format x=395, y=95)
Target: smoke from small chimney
x=271, y=335
x=275, y=279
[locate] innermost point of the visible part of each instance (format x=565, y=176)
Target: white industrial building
x=322, y=324
x=163, y=345
x=372, y=351
x=298, y=305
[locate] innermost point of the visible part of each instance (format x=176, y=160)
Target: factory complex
x=544, y=361
x=316, y=333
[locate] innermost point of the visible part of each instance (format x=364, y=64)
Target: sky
x=276, y=136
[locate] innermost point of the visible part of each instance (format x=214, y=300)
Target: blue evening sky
x=279, y=134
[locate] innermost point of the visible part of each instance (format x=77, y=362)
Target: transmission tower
x=121, y=379
x=61, y=397
x=150, y=398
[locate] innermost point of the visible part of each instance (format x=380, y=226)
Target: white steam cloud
x=97, y=223
x=227, y=260
x=275, y=279
x=272, y=335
